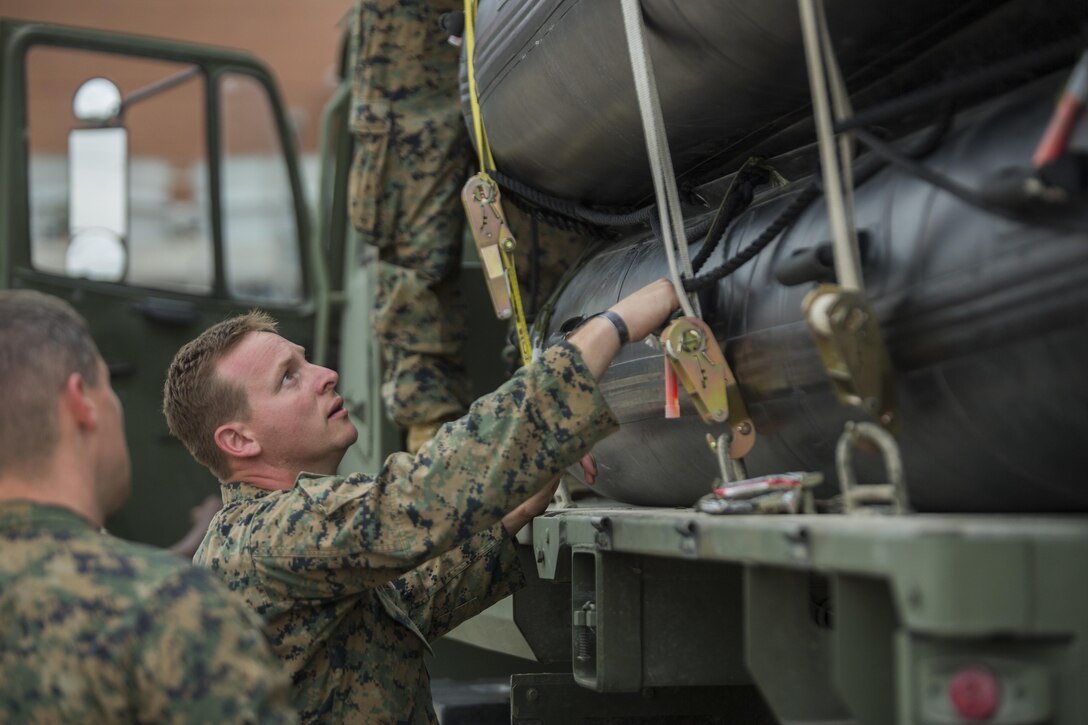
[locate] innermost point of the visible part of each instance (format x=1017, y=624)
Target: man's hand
x=201, y=515
x=647, y=309
x=643, y=311
x=589, y=469
x=530, y=508
x=538, y=502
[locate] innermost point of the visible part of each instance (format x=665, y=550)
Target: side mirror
x=97, y=101
x=96, y=254
x=97, y=203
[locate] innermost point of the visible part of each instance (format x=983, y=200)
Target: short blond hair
x=196, y=400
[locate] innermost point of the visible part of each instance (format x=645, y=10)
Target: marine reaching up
x=355, y=574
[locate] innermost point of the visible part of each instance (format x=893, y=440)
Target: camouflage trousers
x=413, y=155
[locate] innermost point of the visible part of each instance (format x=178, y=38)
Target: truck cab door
x=181, y=206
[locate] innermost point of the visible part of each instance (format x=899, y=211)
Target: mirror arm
x=157, y=87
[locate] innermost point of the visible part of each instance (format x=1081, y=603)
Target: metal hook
x=891, y=496
x=732, y=469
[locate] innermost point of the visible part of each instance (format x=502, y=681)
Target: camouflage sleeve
x=474, y=471
x=449, y=589
x=203, y=658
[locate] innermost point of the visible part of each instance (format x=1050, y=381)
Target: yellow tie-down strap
x=483, y=207
x=520, y=323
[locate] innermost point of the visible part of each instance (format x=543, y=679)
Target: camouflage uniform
x=94, y=630
x=354, y=574
x=412, y=157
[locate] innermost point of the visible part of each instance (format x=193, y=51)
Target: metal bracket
x=548, y=544
x=562, y=497
x=888, y=497
x=689, y=538
x=849, y=341
x=483, y=207
x=603, y=526
x=694, y=354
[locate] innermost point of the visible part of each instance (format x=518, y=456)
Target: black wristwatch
x=618, y=323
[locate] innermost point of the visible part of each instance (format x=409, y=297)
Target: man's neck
x=52, y=492
x=274, y=477
x=269, y=481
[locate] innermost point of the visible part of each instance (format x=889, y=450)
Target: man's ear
x=235, y=440
x=77, y=403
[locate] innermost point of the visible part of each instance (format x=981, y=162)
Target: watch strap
x=618, y=323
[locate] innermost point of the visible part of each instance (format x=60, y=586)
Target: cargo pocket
x=390, y=600
x=367, y=181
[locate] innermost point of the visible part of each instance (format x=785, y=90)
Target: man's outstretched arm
x=643, y=312
x=525, y=448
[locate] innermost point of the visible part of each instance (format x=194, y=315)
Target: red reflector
x=975, y=693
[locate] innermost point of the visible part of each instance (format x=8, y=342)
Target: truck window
x=260, y=247
x=167, y=236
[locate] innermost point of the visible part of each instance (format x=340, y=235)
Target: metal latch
x=701, y=368
x=888, y=498
x=483, y=207
x=785, y=493
x=852, y=349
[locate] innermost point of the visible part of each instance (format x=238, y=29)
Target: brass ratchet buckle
x=701, y=368
x=483, y=207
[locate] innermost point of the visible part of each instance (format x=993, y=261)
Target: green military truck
x=639, y=612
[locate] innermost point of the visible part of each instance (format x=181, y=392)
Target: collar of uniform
x=239, y=490
x=14, y=513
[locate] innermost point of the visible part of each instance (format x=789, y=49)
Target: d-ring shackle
x=890, y=497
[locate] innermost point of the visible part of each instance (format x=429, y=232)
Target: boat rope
x=866, y=169
x=573, y=209
x=738, y=197
x=657, y=148
x=570, y=216
x=560, y=221
x=788, y=215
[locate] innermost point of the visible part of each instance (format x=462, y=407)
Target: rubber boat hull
x=986, y=321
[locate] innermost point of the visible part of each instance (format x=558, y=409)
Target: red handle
x=672, y=390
